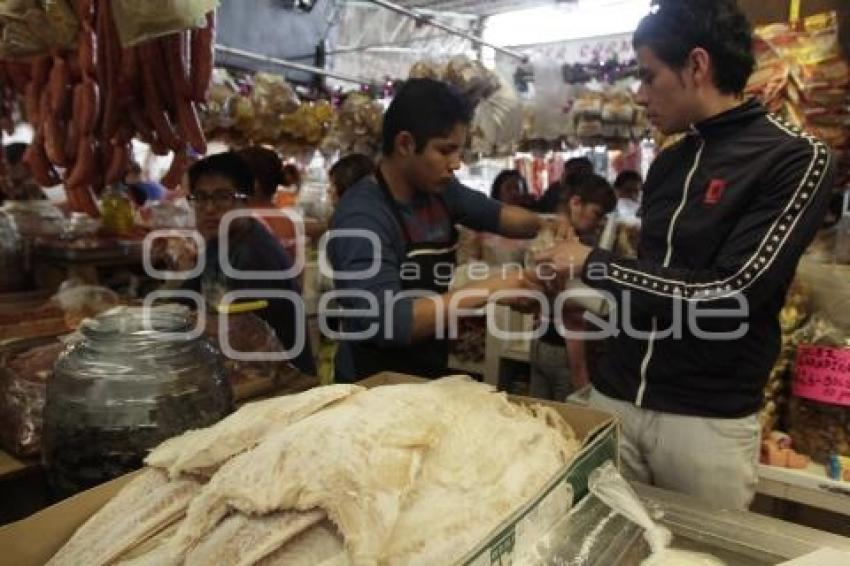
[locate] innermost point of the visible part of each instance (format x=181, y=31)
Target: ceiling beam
x=433, y=22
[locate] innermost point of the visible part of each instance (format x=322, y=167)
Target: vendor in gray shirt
x=393, y=240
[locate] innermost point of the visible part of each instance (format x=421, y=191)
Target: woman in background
x=510, y=187
x=267, y=169
x=291, y=182
x=347, y=171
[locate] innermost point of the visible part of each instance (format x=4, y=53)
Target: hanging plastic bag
x=606, y=483
x=137, y=22
x=29, y=28
x=498, y=119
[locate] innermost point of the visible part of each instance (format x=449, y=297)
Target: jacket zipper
x=668, y=256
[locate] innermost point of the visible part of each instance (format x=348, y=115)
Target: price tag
x=823, y=374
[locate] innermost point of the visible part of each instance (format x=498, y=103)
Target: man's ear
x=699, y=63
x=405, y=144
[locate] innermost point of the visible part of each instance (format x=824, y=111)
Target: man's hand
x=561, y=227
x=567, y=258
x=472, y=296
x=513, y=286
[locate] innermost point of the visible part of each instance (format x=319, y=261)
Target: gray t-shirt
x=364, y=208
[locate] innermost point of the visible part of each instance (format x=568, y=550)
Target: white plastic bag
x=606, y=483
x=137, y=22
x=80, y=301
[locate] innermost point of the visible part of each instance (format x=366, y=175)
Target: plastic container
x=116, y=212
x=12, y=271
x=123, y=387
x=25, y=367
x=818, y=411
x=36, y=218
x=818, y=429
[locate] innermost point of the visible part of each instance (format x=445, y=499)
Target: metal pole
x=421, y=18
x=290, y=64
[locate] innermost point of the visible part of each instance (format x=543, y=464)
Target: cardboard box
x=32, y=541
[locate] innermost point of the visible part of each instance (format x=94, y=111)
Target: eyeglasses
x=218, y=199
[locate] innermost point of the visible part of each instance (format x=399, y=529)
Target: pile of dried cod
x=398, y=474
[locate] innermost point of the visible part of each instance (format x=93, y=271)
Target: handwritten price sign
x=823, y=374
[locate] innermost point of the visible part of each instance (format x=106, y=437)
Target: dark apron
x=425, y=358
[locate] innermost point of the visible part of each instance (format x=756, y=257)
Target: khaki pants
x=712, y=459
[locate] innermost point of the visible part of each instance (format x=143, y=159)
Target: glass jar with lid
x=133, y=378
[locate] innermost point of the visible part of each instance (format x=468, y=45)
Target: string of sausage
x=87, y=105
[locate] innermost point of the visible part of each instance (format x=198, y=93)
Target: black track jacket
x=727, y=213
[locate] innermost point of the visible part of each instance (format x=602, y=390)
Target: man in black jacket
x=727, y=212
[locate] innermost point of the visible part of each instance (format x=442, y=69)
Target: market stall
x=140, y=432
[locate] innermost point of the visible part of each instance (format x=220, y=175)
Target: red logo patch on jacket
x=714, y=192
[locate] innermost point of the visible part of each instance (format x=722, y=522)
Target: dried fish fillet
x=241, y=540
x=146, y=505
x=202, y=451
x=151, y=544
x=355, y=460
x=395, y=475
x=320, y=545
x=468, y=483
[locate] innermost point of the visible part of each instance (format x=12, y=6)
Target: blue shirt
x=364, y=207
x=255, y=249
x=146, y=191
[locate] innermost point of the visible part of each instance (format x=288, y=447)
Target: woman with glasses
x=223, y=183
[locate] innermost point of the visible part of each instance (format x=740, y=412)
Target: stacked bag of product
x=607, y=115
x=248, y=110
x=820, y=426
x=818, y=417
x=803, y=76
x=356, y=127
x=778, y=448
x=793, y=315
x=497, y=123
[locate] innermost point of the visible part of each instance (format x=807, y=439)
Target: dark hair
x=291, y=173
x=137, y=194
x=578, y=166
x=592, y=189
x=15, y=152
x=627, y=176
x=229, y=165
x=674, y=28
x=350, y=169
x=427, y=109
x=504, y=175
x=266, y=167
